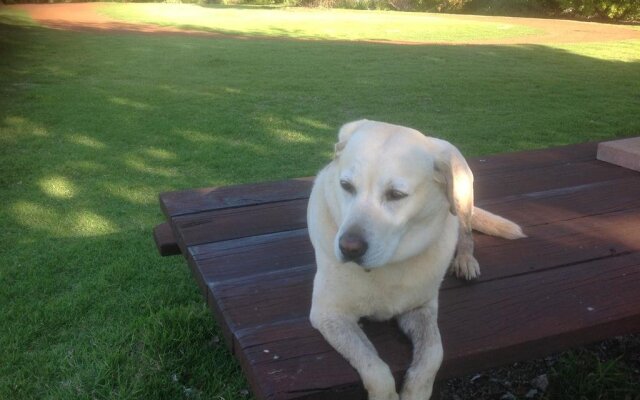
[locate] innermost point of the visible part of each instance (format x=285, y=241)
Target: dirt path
x=84, y=16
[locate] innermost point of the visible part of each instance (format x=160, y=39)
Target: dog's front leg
x=344, y=334
x=421, y=325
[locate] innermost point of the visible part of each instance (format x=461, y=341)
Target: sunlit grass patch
x=134, y=194
x=12, y=16
x=137, y=105
x=303, y=23
x=160, y=154
x=15, y=128
x=623, y=51
x=86, y=141
x=67, y=222
x=58, y=187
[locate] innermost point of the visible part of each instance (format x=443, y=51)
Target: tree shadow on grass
x=93, y=126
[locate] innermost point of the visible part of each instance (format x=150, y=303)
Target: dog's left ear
x=345, y=133
x=452, y=170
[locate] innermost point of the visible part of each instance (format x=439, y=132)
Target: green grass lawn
x=94, y=125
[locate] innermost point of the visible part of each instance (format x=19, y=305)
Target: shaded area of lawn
x=93, y=126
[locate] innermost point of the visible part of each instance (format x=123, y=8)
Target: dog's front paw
x=415, y=394
x=384, y=396
x=380, y=384
x=465, y=266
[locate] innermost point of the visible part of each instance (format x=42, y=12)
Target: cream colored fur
x=410, y=197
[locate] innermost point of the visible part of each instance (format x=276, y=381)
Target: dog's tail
x=494, y=225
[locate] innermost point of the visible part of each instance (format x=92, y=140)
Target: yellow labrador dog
x=386, y=218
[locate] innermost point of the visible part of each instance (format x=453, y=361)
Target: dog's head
x=394, y=189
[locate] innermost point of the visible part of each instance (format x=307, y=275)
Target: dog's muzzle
x=352, y=247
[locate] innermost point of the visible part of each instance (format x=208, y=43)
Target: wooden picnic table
x=574, y=280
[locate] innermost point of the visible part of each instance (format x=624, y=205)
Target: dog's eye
x=347, y=186
x=394, y=194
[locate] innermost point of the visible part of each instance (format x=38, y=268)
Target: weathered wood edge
x=166, y=242
x=623, y=152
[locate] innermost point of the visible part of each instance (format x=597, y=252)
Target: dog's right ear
x=345, y=133
x=454, y=173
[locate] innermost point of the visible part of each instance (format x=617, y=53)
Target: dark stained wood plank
x=233, y=262
x=561, y=243
x=197, y=200
x=237, y=262
x=207, y=199
x=222, y=260
x=543, y=207
x=233, y=223
x=560, y=308
x=532, y=159
x=227, y=259
x=309, y=358
x=512, y=319
x=520, y=181
x=233, y=259
x=264, y=299
x=165, y=241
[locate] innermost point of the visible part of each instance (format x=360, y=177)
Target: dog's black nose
x=352, y=246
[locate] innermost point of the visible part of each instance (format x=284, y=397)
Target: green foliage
x=351, y=4
x=605, y=9
x=513, y=7
x=601, y=9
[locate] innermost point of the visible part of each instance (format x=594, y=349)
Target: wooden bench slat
x=548, y=206
x=273, y=252
x=207, y=199
x=522, y=181
x=528, y=209
x=235, y=223
x=220, y=260
x=510, y=323
x=227, y=224
x=534, y=208
x=269, y=299
x=532, y=159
